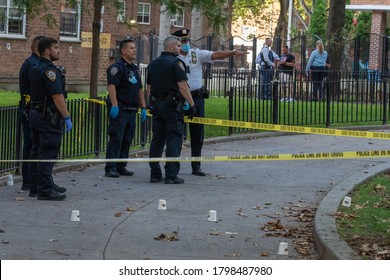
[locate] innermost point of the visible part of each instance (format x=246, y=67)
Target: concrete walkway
x=258, y=204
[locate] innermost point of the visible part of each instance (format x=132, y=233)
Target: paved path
x=120, y=219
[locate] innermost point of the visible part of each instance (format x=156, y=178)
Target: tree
x=38, y=7
x=212, y=10
x=334, y=35
x=317, y=27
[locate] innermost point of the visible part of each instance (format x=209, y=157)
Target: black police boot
x=59, y=189
x=177, y=180
x=156, y=179
x=112, y=173
x=52, y=196
x=198, y=172
x=124, y=172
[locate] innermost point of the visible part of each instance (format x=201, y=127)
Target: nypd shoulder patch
x=181, y=65
x=114, y=70
x=51, y=75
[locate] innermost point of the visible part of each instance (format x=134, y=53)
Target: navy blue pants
x=27, y=145
x=121, y=131
x=266, y=78
x=46, y=142
x=197, y=133
x=167, y=130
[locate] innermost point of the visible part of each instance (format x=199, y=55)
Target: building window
x=121, y=11
x=12, y=20
x=143, y=15
x=70, y=20
x=178, y=19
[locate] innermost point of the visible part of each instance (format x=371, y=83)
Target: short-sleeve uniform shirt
x=194, y=62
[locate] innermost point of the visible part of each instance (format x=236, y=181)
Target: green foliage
x=363, y=25
x=213, y=10
x=318, y=21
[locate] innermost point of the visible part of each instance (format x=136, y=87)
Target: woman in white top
x=317, y=66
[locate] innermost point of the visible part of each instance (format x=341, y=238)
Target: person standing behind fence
x=125, y=94
x=167, y=88
x=266, y=61
x=194, y=60
x=25, y=95
x=317, y=67
x=286, y=67
x=48, y=115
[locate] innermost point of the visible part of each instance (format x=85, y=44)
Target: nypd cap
x=182, y=33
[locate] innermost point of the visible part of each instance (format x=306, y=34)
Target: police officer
x=124, y=95
x=48, y=114
x=194, y=59
x=25, y=90
x=166, y=87
x=266, y=61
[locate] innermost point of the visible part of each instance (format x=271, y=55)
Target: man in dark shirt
x=286, y=67
x=48, y=114
x=167, y=88
x=25, y=94
x=125, y=95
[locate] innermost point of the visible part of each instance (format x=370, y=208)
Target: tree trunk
x=94, y=78
x=336, y=21
x=281, y=27
x=335, y=43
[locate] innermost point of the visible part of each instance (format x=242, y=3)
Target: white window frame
x=5, y=34
x=143, y=12
x=121, y=17
x=175, y=21
x=72, y=38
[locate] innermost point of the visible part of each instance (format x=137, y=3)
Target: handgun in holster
x=54, y=115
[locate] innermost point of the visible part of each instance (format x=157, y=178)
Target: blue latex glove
x=114, y=112
x=186, y=106
x=68, y=124
x=143, y=114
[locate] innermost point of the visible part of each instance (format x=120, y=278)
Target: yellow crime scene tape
x=260, y=157
x=284, y=128
x=264, y=157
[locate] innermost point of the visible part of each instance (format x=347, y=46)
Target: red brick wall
x=73, y=57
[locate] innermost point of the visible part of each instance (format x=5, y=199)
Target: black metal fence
x=349, y=98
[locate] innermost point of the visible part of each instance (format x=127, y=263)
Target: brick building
x=73, y=28
x=379, y=10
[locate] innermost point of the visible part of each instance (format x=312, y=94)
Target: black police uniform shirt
x=46, y=80
x=24, y=74
x=127, y=81
x=164, y=73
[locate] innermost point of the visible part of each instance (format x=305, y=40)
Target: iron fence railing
x=349, y=98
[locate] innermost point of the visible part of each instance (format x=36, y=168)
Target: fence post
x=384, y=121
x=231, y=47
x=275, y=102
x=303, y=52
x=231, y=108
x=98, y=120
x=254, y=53
x=327, y=92
x=18, y=144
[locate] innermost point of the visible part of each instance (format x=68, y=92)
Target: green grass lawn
x=365, y=225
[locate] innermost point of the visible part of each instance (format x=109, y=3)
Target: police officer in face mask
x=194, y=60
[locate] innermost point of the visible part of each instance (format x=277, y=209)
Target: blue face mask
x=185, y=47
